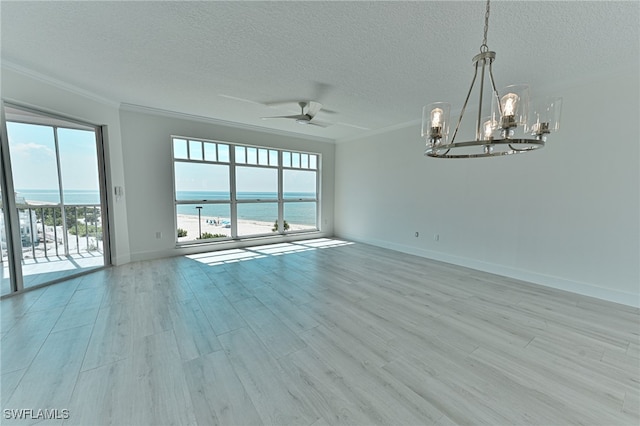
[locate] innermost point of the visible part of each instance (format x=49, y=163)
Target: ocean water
x=302, y=213
x=74, y=196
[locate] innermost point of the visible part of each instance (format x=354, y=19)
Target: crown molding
x=27, y=72
x=216, y=121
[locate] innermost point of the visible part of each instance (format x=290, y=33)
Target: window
x=229, y=191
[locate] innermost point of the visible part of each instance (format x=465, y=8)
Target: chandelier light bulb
x=487, y=129
x=436, y=118
x=435, y=122
x=509, y=104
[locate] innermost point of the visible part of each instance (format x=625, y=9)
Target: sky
x=192, y=176
x=34, y=166
x=33, y=157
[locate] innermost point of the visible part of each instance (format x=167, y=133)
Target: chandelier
x=512, y=126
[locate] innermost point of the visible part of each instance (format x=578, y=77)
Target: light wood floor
x=316, y=333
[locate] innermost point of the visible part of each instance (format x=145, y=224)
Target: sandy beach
x=217, y=225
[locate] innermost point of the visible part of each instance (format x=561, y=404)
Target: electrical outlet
x=436, y=237
x=158, y=235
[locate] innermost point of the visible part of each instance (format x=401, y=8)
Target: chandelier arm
x=493, y=85
x=466, y=101
x=479, y=121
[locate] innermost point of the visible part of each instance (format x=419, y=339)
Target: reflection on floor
x=44, y=269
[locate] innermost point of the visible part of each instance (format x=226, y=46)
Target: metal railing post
x=86, y=228
x=44, y=231
x=55, y=231
x=33, y=246
x=75, y=216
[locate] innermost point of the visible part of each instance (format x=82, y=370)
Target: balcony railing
x=50, y=230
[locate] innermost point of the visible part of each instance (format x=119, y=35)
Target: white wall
x=26, y=88
x=148, y=174
x=566, y=216
x=138, y=154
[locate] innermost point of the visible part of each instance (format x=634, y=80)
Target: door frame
x=14, y=245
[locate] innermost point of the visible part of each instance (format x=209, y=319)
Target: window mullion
x=234, y=196
x=280, y=195
x=318, y=188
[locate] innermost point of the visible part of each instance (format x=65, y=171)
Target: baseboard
x=584, y=289
x=225, y=245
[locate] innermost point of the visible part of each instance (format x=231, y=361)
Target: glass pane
x=286, y=159
x=180, y=148
x=195, y=150
x=241, y=155
x=200, y=181
x=313, y=162
x=210, y=152
x=252, y=155
x=55, y=241
x=256, y=183
x=79, y=167
x=33, y=162
x=214, y=222
x=295, y=159
x=273, y=157
x=304, y=161
x=298, y=184
x=5, y=278
x=263, y=158
x=223, y=153
x=300, y=216
x=256, y=218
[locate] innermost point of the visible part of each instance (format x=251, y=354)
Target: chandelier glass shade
x=506, y=123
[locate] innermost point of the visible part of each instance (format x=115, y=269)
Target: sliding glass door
x=57, y=206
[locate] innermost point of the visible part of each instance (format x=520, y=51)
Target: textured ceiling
x=372, y=64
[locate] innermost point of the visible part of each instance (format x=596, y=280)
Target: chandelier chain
x=484, y=47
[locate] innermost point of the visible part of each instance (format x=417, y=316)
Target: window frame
x=264, y=158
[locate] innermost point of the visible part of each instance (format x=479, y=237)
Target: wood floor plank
x=277, y=401
x=194, y=334
x=112, y=336
x=55, y=367
x=390, y=401
x=277, y=338
x=21, y=343
x=296, y=318
x=8, y=383
x=317, y=332
x=585, y=404
x=232, y=289
x=218, y=396
x=146, y=388
x=222, y=316
x=76, y=315
x=327, y=390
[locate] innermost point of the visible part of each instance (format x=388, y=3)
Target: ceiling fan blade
x=319, y=123
x=313, y=108
x=293, y=117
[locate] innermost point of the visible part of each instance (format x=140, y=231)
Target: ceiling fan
x=305, y=118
